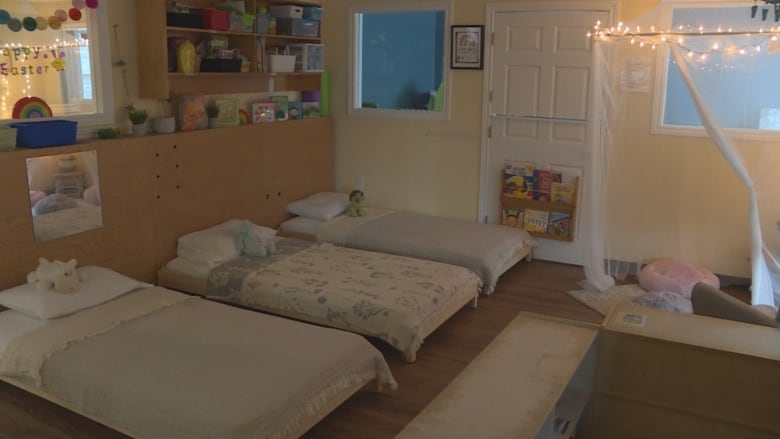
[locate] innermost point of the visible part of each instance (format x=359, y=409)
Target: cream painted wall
x=668, y=195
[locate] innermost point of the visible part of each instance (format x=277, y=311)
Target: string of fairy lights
x=685, y=38
x=18, y=53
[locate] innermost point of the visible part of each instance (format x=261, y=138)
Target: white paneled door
x=538, y=82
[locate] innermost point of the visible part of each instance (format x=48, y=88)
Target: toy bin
x=216, y=19
x=282, y=63
x=45, y=133
x=286, y=11
x=299, y=27
x=312, y=13
x=7, y=138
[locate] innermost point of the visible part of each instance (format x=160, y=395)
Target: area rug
x=602, y=301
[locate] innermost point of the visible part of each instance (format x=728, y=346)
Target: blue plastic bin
x=45, y=133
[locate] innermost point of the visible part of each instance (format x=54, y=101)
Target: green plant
x=212, y=109
x=137, y=115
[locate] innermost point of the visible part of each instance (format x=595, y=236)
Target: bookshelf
x=544, y=219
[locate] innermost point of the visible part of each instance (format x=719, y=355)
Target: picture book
x=559, y=224
x=294, y=110
x=518, y=179
x=280, y=107
x=192, y=112
x=228, y=112
x=543, y=180
x=311, y=109
x=262, y=112
x=562, y=193
x=512, y=217
x=535, y=220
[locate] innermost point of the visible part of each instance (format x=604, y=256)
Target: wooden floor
x=536, y=286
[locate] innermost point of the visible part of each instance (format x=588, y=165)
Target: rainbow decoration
x=30, y=108
x=243, y=117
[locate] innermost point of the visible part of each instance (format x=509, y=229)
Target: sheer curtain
x=713, y=200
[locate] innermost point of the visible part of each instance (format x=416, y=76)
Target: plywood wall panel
x=158, y=187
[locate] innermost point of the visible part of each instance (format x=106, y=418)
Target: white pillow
x=99, y=285
x=217, y=244
x=301, y=225
x=322, y=205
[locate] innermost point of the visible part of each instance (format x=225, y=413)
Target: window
x=735, y=72
x=398, y=60
x=55, y=64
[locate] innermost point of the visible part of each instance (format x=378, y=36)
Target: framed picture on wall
x=467, y=47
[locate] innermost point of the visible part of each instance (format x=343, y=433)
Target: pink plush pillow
x=674, y=274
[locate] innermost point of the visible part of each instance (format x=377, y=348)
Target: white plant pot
x=164, y=125
x=140, y=129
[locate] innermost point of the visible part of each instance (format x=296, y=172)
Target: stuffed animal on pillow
x=249, y=243
x=62, y=276
x=356, y=199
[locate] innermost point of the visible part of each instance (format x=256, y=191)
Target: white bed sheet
x=121, y=363
x=14, y=324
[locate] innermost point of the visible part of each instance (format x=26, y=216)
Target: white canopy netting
x=701, y=178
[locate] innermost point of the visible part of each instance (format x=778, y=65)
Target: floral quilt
x=393, y=298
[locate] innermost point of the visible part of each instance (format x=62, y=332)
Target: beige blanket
x=194, y=368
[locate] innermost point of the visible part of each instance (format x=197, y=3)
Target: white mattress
x=137, y=376
x=13, y=324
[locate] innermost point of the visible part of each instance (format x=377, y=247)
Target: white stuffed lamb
x=62, y=276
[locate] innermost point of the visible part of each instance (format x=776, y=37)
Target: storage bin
x=7, y=138
x=282, y=63
x=45, y=133
x=308, y=57
x=312, y=13
x=220, y=65
x=241, y=22
x=297, y=26
x=184, y=20
x=261, y=23
x=286, y=11
x=215, y=19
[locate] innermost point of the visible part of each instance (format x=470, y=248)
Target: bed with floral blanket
x=161, y=364
x=397, y=299
x=486, y=249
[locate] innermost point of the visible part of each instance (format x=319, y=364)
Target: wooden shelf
x=176, y=30
x=523, y=204
x=156, y=82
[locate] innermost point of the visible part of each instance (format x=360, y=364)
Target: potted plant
x=138, y=117
x=212, y=111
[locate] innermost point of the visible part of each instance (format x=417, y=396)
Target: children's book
x=280, y=107
x=535, y=220
x=562, y=193
x=228, y=112
x=543, y=180
x=294, y=110
x=518, y=179
x=192, y=112
x=311, y=109
x=559, y=224
x=262, y=111
x=512, y=217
